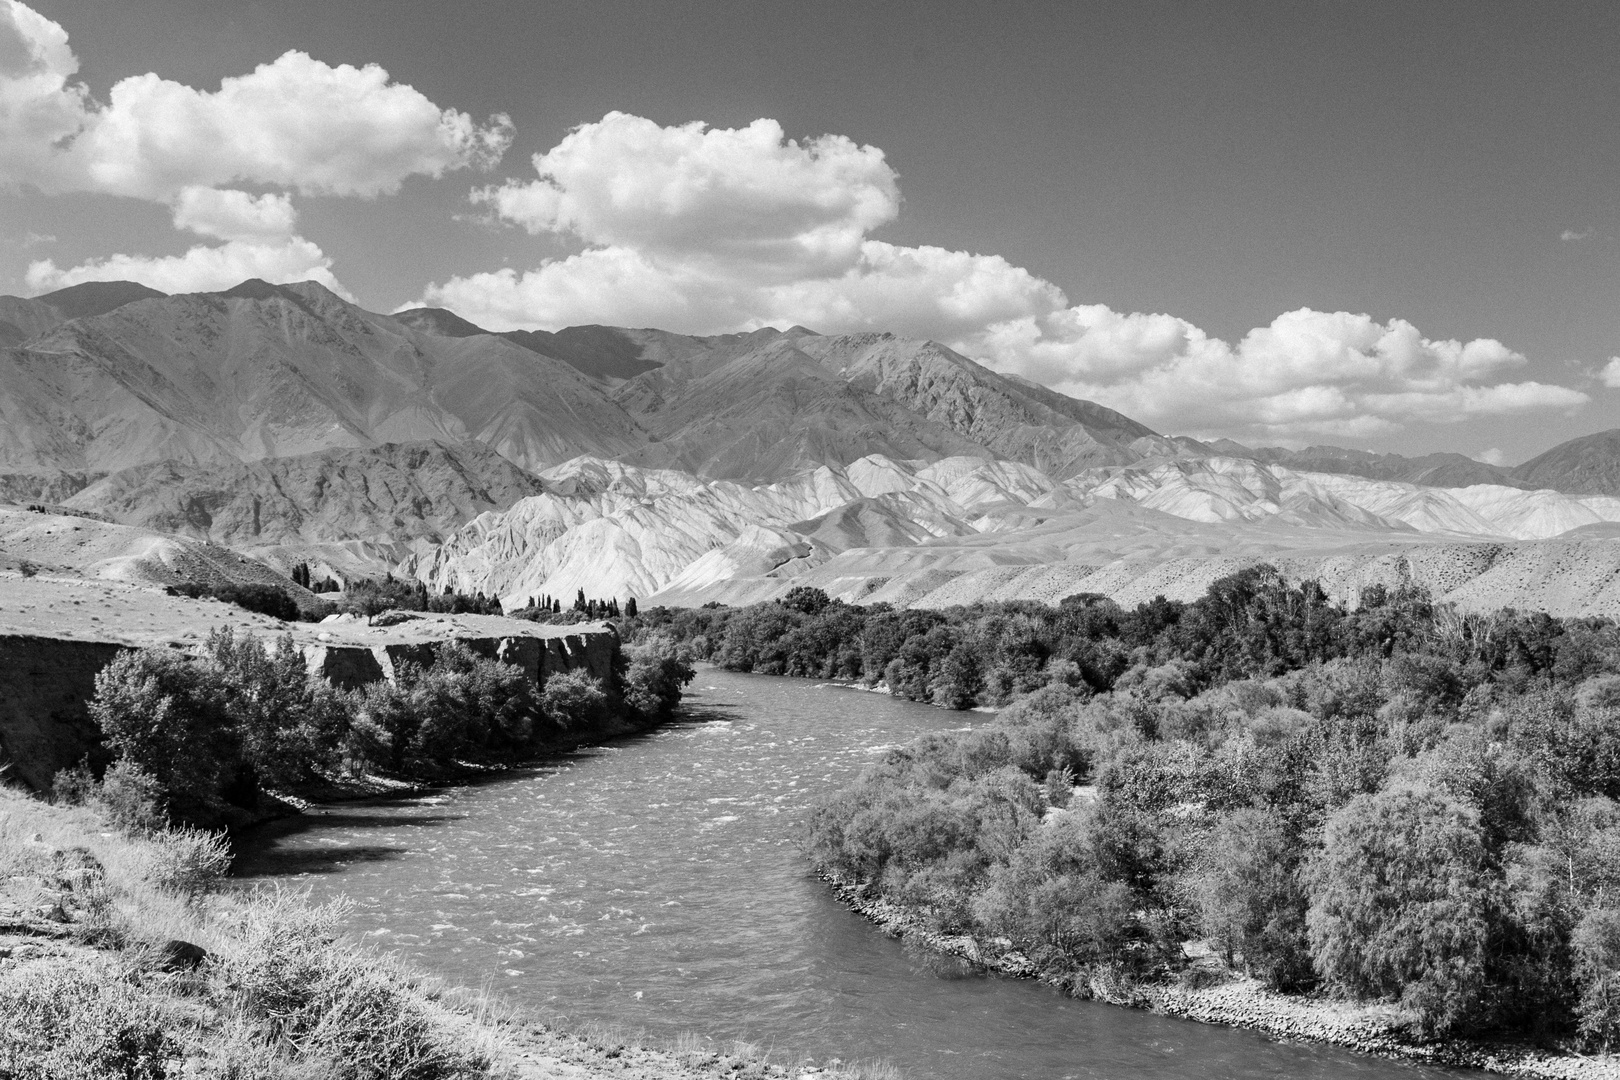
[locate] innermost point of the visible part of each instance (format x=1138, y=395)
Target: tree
x=656, y=676
x=285, y=722
x=574, y=700
x=165, y=712
x=805, y=600
x=1251, y=900
x=1597, y=967
x=1402, y=903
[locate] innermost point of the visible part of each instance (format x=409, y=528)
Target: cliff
x=57, y=634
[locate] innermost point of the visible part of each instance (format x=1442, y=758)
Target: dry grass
x=281, y=996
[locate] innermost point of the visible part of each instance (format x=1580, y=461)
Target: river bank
x=1239, y=1003
x=129, y=955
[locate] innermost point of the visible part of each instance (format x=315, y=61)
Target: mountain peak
x=92, y=298
x=440, y=322
x=251, y=289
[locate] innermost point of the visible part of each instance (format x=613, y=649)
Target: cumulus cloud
x=710, y=230
x=295, y=123
x=200, y=269
x=234, y=215
x=1492, y=456
x=1570, y=235
x=1610, y=375
x=748, y=196
x=1309, y=371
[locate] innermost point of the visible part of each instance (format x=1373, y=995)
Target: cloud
x=1493, y=456
x=1570, y=235
x=748, y=196
x=295, y=123
x=201, y=269
x=1307, y=372
x=711, y=230
x=234, y=215
x=1610, y=375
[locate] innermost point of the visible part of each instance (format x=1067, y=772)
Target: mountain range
x=290, y=425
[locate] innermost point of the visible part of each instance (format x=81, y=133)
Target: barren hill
x=348, y=511
x=265, y=371
x=1589, y=465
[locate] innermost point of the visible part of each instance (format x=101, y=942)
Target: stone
x=175, y=955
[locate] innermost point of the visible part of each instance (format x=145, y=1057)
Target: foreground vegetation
x=198, y=739
x=1395, y=803
x=123, y=956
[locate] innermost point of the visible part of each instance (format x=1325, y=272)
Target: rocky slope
x=351, y=511
x=1589, y=465
x=267, y=371
x=286, y=423
x=1434, y=470
x=963, y=529
x=67, y=545
x=22, y=319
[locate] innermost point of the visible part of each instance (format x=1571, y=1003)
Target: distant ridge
x=602, y=352
x=1433, y=470
x=440, y=321
x=97, y=297
x=1589, y=465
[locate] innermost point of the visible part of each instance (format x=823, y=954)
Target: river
x=656, y=884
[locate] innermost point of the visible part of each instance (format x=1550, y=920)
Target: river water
x=656, y=884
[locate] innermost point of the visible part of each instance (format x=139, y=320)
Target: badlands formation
x=238, y=433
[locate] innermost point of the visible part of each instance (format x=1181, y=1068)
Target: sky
x=1390, y=226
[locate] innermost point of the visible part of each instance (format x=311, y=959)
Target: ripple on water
x=657, y=884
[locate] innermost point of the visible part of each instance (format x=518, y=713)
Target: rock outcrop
x=46, y=685
x=541, y=653
x=57, y=634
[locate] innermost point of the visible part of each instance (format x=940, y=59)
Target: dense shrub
x=1393, y=801
x=69, y=1019
x=574, y=700
x=427, y=718
x=263, y=599
x=195, y=736
x=1402, y=904
x=654, y=680
x=165, y=713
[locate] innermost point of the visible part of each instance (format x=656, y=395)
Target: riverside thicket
x=1398, y=801
x=199, y=737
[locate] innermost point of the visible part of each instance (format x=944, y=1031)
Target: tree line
x=197, y=738
x=1393, y=801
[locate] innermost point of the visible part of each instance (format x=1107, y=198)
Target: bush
x=574, y=700
x=68, y=1019
x=271, y=600
x=327, y=1001
x=189, y=862
x=1597, y=966
x=1054, y=899
x=133, y=799
x=1402, y=903
x=655, y=679
x=1251, y=901
x=166, y=714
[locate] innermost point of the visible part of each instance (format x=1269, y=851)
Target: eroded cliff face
x=46, y=685
x=351, y=666
x=57, y=634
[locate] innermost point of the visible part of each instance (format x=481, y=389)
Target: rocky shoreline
x=1242, y=1003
